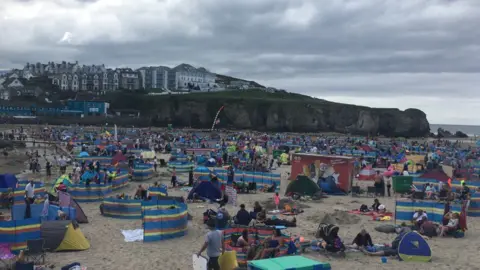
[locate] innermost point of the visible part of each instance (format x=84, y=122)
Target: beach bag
x=459, y=234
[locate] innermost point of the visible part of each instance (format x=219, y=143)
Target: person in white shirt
x=418, y=217
x=30, y=192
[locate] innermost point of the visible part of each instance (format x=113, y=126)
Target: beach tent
x=438, y=175
x=413, y=248
x=83, y=154
x=119, y=157
x=65, y=200
x=367, y=173
x=63, y=235
x=148, y=154
x=63, y=179
x=302, y=185
x=8, y=181
x=205, y=189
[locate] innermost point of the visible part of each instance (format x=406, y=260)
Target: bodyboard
x=199, y=263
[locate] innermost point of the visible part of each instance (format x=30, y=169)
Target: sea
x=471, y=131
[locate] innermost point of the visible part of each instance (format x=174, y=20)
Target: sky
x=421, y=54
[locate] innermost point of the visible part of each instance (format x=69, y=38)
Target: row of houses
x=76, y=77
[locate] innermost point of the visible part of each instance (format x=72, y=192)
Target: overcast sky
x=380, y=53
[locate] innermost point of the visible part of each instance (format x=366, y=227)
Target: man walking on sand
x=214, y=245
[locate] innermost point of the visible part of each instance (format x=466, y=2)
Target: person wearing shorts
x=214, y=245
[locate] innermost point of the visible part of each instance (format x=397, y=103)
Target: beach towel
x=133, y=235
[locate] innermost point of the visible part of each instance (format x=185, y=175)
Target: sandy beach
x=109, y=251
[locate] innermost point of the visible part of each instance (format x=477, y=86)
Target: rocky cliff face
x=268, y=114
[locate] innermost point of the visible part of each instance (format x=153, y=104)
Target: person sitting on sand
x=382, y=209
x=140, y=193
x=259, y=220
x=242, y=217
x=363, y=239
x=272, y=245
x=257, y=208
x=242, y=241
x=393, y=249
x=375, y=205
x=452, y=225
x=418, y=218
x=428, y=228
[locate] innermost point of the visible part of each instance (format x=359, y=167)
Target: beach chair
x=35, y=251
x=371, y=191
x=356, y=191
x=6, y=256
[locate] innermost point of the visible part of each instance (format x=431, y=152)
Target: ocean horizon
x=467, y=129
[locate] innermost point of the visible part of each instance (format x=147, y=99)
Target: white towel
x=133, y=235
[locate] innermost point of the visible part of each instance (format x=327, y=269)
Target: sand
x=109, y=251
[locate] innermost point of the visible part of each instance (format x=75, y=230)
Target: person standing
x=29, y=198
x=155, y=164
x=389, y=186
x=276, y=198
x=30, y=192
x=190, y=177
x=174, y=177
x=214, y=245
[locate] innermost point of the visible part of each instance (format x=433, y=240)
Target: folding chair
x=35, y=250
x=371, y=191
x=356, y=191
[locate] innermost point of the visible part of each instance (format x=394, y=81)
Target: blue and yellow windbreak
x=405, y=209
x=161, y=224
x=15, y=233
x=260, y=178
x=142, y=172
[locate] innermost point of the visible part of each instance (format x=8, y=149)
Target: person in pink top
x=276, y=198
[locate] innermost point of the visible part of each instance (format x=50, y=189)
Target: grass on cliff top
x=249, y=94
x=227, y=80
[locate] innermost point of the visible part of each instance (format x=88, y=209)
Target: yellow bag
x=228, y=260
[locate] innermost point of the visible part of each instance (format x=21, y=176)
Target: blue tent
x=83, y=154
x=329, y=186
x=413, y=248
x=203, y=173
x=88, y=175
x=206, y=190
x=8, y=181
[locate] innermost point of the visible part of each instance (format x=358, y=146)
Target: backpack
x=363, y=208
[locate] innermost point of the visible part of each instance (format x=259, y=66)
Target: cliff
x=281, y=111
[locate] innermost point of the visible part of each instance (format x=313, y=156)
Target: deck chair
x=6, y=256
x=356, y=191
x=35, y=250
x=371, y=191
x=24, y=266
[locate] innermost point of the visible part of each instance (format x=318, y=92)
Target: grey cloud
x=375, y=46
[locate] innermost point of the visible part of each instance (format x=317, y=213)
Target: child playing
x=276, y=198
